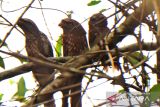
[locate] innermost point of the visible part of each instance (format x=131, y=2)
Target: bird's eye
x=93, y=19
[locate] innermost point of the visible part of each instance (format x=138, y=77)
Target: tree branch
x=28, y=67
x=131, y=22
x=157, y=9
x=16, y=71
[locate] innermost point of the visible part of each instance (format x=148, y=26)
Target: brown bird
x=37, y=45
x=97, y=31
x=97, y=28
x=74, y=43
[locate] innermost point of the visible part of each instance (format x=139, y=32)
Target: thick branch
x=157, y=9
x=28, y=67
x=135, y=47
x=131, y=22
x=16, y=71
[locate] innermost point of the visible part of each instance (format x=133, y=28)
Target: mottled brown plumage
x=74, y=43
x=97, y=28
x=38, y=46
x=74, y=37
x=97, y=31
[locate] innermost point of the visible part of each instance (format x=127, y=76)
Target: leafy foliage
x=154, y=92
x=135, y=57
x=1, y=96
x=11, y=81
x=94, y=2
x=59, y=47
x=103, y=10
x=2, y=62
x=122, y=91
x=22, y=60
x=21, y=90
x=5, y=44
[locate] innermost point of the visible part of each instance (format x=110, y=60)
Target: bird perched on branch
x=37, y=45
x=97, y=31
x=97, y=28
x=74, y=43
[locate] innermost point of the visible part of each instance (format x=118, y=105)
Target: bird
x=38, y=46
x=97, y=31
x=74, y=43
x=97, y=28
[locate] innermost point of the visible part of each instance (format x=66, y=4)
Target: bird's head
x=70, y=25
x=99, y=20
x=27, y=25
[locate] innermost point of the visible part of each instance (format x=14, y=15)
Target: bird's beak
x=60, y=24
x=19, y=22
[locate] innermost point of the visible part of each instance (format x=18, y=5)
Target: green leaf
x=59, y=46
x=11, y=81
x=21, y=87
x=103, y=10
x=1, y=96
x=5, y=44
x=132, y=60
x=135, y=57
x=155, y=66
x=155, y=92
x=138, y=55
x=2, y=62
x=19, y=98
x=21, y=90
x=22, y=60
x=94, y=2
x=121, y=91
